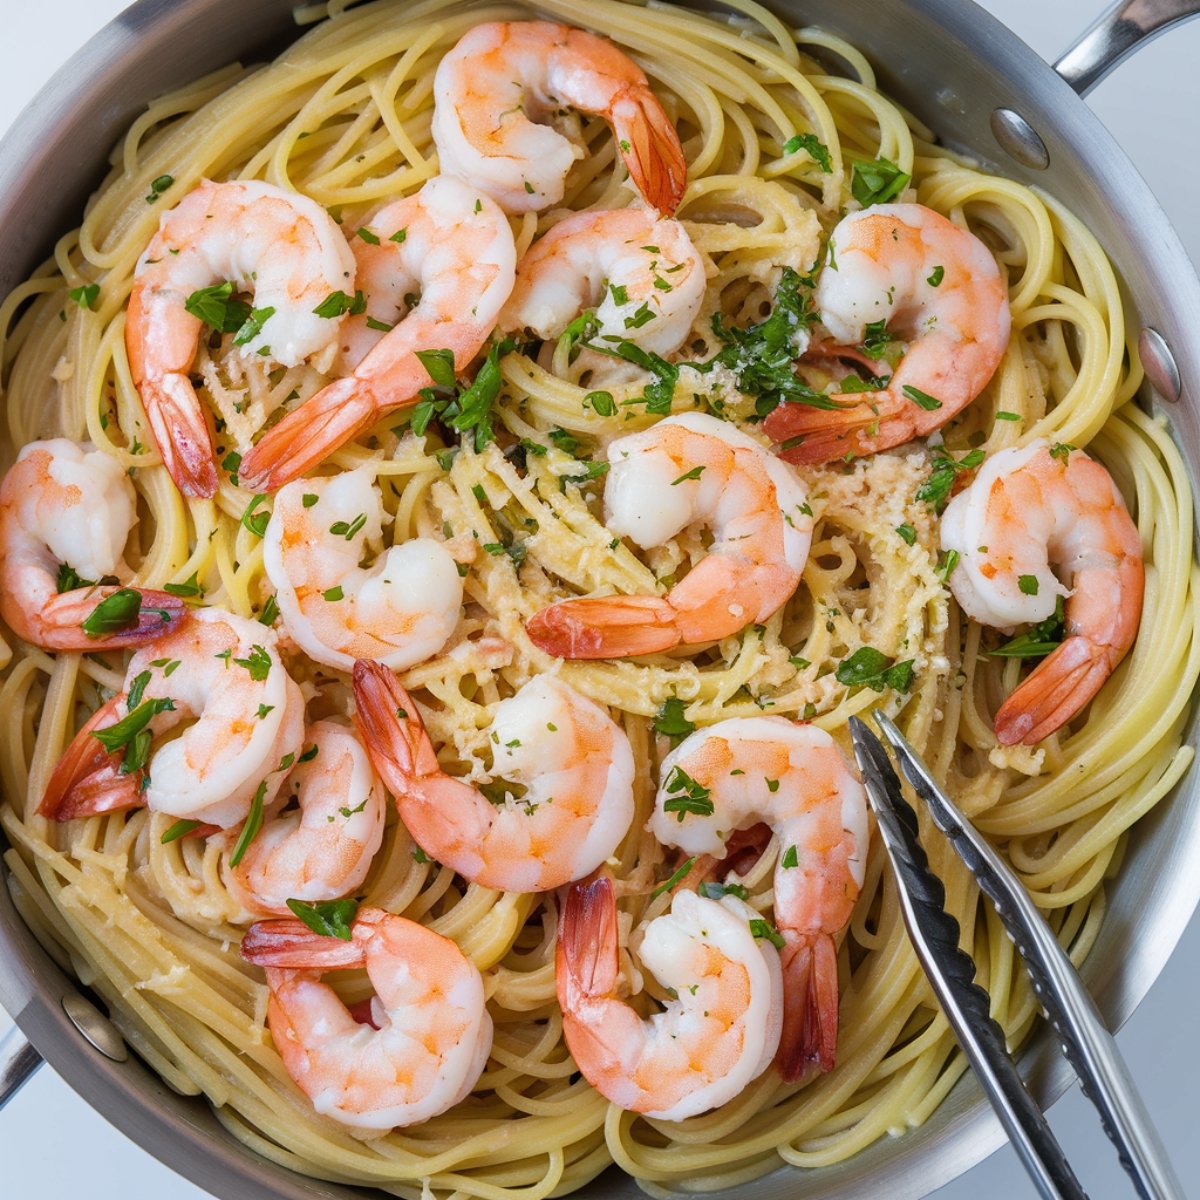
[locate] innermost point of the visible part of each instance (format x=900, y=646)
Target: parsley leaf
x=936, y=489
x=1039, y=640
x=868, y=667
x=877, y=181
x=216, y=306
x=250, y=829
x=330, y=918
x=673, y=879
x=670, y=720
x=817, y=150
x=693, y=797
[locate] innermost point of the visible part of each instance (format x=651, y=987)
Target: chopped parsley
x=254, y=822
x=936, y=489
x=762, y=928
x=817, y=150
x=670, y=720
x=329, y=918
x=86, y=296
x=178, y=830
x=868, y=667
x=190, y=587
x=338, y=304
x=877, y=181
x=693, y=797
x=1039, y=640
x=158, y=186
x=675, y=877
x=1028, y=584
x=907, y=533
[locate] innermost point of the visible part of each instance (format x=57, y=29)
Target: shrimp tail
x=308, y=436
x=605, y=627
x=60, y=621
x=810, y=1006
x=1054, y=692
x=387, y=721
x=181, y=434
x=586, y=958
x=292, y=945
x=88, y=780
x=651, y=149
x=826, y=434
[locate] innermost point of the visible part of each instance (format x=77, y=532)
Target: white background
x=54, y=1147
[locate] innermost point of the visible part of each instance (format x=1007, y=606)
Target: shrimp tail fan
x=652, y=151
x=181, y=434
x=1054, y=692
x=391, y=731
x=60, y=622
x=810, y=1009
x=308, y=436
x=88, y=779
x=605, y=627
x=292, y=945
x=586, y=956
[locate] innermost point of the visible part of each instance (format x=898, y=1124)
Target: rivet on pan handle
x=1124, y=28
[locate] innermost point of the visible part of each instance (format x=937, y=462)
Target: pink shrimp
x=493, y=90
x=574, y=762
x=66, y=511
x=736, y=773
x=715, y=1036
x=1029, y=509
x=429, y=1034
x=280, y=245
x=687, y=470
x=453, y=248
x=924, y=277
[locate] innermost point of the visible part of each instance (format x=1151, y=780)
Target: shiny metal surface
x=55, y=155
x=1089, y=1047
x=95, y=1027
x=1159, y=364
x=18, y=1061
x=1124, y=28
x=934, y=934
x=1019, y=140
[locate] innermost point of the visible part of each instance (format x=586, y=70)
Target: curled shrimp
x=400, y=610
x=1030, y=510
x=927, y=279
x=794, y=778
x=717, y=1035
x=690, y=469
x=323, y=849
x=574, y=763
x=223, y=674
x=642, y=275
x=453, y=250
x=66, y=512
x=429, y=1036
x=493, y=90
x=280, y=245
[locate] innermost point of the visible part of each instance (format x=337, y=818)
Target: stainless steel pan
x=986, y=93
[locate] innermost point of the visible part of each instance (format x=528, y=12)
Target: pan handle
x=18, y=1061
x=1124, y=28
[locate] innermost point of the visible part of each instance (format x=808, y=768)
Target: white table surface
x=48, y=1134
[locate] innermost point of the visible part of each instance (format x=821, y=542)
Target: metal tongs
x=1087, y=1044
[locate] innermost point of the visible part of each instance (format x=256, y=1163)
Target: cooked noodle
x=344, y=117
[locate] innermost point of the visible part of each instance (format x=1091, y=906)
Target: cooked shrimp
x=452, y=248
x=685, y=470
x=65, y=505
x=495, y=89
x=643, y=276
x=794, y=778
x=718, y=1034
x=218, y=671
x=429, y=1036
x=1029, y=510
x=280, y=245
x=323, y=850
x=928, y=280
x=400, y=610
x=574, y=764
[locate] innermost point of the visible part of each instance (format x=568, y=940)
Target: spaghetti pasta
x=344, y=117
